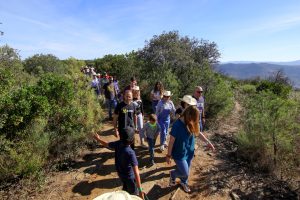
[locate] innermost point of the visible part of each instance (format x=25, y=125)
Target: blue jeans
x=110, y=104
x=201, y=125
x=182, y=169
x=151, y=144
x=164, y=125
x=154, y=104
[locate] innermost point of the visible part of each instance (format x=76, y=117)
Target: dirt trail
x=219, y=175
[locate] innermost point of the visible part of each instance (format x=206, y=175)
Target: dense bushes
x=44, y=120
x=271, y=132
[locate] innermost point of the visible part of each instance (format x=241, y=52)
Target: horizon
x=244, y=31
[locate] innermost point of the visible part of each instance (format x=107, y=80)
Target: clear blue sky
x=245, y=30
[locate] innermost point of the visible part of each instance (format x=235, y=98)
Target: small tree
x=40, y=63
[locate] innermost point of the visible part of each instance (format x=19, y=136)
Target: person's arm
x=158, y=131
x=173, y=110
x=97, y=137
x=142, y=108
x=151, y=95
x=170, y=147
x=203, y=116
x=115, y=123
x=204, y=139
x=158, y=108
x=138, y=180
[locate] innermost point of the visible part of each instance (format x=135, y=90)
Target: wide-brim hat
x=117, y=195
x=189, y=100
x=167, y=93
x=136, y=87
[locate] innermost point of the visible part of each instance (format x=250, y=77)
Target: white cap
x=189, y=100
x=167, y=93
x=117, y=195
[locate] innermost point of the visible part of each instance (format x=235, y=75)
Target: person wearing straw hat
x=117, y=195
x=125, y=161
x=165, y=108
x=182, y=144
x=184, y=102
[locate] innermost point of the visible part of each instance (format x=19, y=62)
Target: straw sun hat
x=167, y=93
x=117, y=195
x=189, y=100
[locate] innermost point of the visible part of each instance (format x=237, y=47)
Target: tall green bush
x=271, y=131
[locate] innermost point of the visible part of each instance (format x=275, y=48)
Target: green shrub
x=44, y=122
x=271, y=131
x=248, y=89
x=40, y=63
x=279, y=89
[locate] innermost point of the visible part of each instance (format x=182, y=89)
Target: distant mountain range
x=246, y=70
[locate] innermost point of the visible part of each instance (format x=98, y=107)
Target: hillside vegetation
x=47, y=108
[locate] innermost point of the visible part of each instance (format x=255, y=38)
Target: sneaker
x=166, y=145
x=172, y=182
x=185, y=187
x=162, y=148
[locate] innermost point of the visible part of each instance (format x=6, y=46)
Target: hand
x=96, y=136
x=141, y=195
x=211, y=146
x=168, y=159
x=203, y=121
x=117, y=133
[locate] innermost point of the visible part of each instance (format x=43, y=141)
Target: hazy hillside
x=263, y=70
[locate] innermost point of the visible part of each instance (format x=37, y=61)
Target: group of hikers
x=126, y=110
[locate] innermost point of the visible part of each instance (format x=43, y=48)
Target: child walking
x=125, y=162
x=139, y=113
x=151, y=130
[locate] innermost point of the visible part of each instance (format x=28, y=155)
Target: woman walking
x=165, y=108
x=156, y=95
x=182, y=144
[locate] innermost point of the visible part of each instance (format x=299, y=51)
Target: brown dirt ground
x=219, y=175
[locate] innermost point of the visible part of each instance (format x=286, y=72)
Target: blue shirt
x=125, y=159
x=164, y=109
x=184, y=144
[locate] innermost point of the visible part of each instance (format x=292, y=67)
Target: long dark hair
x=191, y=119
x=161, y=89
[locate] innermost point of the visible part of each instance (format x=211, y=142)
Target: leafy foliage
x=271, y=131
x=46, y=120
x=40, y=63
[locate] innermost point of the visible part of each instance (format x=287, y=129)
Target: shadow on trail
x=84, y=188
x=157, y=192
x=234, y=175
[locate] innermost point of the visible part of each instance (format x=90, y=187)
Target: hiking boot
x=172, y=182
x=162, y=147
x=185, y=187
